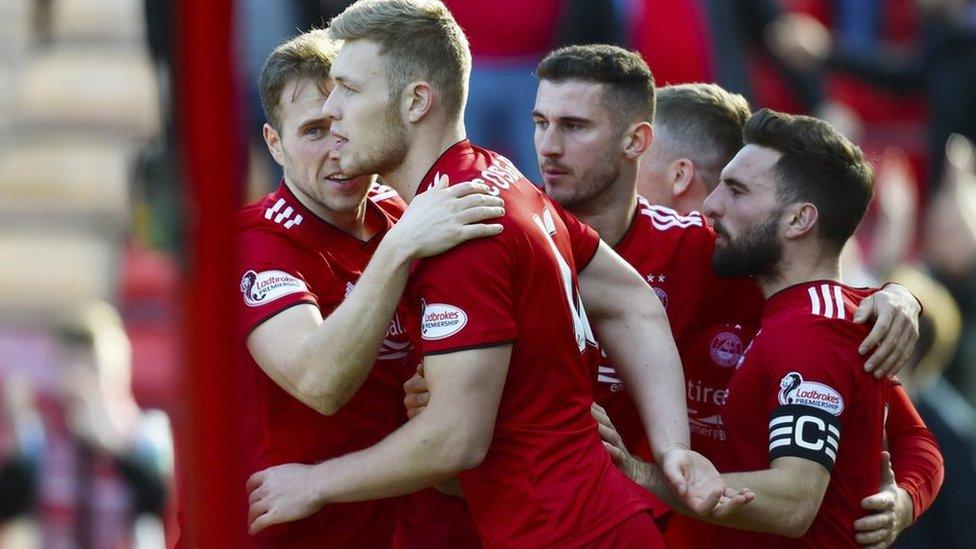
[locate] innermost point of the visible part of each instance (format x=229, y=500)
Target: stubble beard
x=756, y=253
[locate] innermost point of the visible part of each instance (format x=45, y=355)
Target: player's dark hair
x=819, y=166
x=704, y=123
x=628, y=80
x=308, y=55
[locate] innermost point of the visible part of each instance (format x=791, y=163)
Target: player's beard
x=757, y=252
x=591, y=183
x=386, y=151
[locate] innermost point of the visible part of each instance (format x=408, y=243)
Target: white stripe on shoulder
x=839, y=302
x=287, y=218
x=832, y=298
x=814, y=301
x=663, y=218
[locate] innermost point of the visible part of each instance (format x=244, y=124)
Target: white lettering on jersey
x=581, y=326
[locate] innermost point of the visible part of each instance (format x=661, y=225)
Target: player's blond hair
x=306, y=56
x=419, y=39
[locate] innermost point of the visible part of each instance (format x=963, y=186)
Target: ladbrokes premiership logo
x=267, y=286
x=794, y=390
x=440, y=320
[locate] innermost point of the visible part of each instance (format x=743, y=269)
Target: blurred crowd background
x=92, y=209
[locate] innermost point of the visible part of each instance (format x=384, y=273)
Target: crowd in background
x=897, y=76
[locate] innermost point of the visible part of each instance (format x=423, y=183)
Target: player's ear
x=802, y=219
x=273, y=140
x=637, y=139
x=681, y=174
x=419, y=97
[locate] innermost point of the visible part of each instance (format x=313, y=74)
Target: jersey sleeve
x=583, y=238
x=465, y=297
x=915, y=454
x=272, y=277
x=808, y=393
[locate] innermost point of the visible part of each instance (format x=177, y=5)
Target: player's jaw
x=757, y=250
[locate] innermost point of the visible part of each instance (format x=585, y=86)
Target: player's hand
x=416, y=393
x=283, y=493
x=621, y=457
x=891, y=511
x=895, y=312
x=443, y=217
x=698, y=485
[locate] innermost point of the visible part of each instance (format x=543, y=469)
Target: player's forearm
x=420, y=454
x=784, y=505
x=643, y=350
x=335, y=359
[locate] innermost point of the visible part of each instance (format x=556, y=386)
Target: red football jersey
x=712, y=319
x=546, y=480
x=289, y=256
x=801, y=391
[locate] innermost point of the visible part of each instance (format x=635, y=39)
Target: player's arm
x=895, y=312
x=907, y=491
x=782, y=500
x=466, y=387
x=323, y=361
x=632, y=326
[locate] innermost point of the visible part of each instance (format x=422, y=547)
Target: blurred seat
x=115, y=21
x=68, y=178
x=110, y=89
x=43, y=269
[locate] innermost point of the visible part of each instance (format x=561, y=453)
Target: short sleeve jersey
x=546, y=480
x=712, y=319
x=289, y=256
x=801, y=391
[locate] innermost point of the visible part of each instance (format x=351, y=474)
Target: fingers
x=895, y=345
x=480, y=230
x=730, y=503
x=878, y=502
x=480, y=213
x=416, y=400
x=420, y=369
x=416, y=384
x=469, y=188
x=480, y=200
x=254, y=481
x=878, y=332
x=887, y=473
x=256, y=509
x=876, y=536
x=874, y=522
x=261, y=522
x=864, y=311
x=609, y=434
x=441, y=181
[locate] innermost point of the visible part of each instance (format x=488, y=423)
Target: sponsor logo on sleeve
x=267, y=286
x=793, y=389
x=441, y=320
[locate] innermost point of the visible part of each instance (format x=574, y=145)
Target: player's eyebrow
x=314, y=121
x=733, y=182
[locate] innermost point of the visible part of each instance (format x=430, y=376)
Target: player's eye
x=572, y=127
x=312, y=131
x=541, y=123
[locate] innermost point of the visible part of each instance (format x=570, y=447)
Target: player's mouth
x=341, y=181
x=551, y=173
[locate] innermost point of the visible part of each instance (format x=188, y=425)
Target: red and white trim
x=283, y=217
x=827, y=300
x=664, y=218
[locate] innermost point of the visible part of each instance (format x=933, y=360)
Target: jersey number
x=581, y=326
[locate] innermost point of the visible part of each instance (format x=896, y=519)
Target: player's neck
x=797, y=268
x=610, y=213
x=426, y=146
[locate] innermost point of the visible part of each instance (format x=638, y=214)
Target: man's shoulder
x=275, y=213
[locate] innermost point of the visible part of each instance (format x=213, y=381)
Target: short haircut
x=818, y=165
x=308, y=55
x=419, y=39
x=628, y=80
x=702, y=122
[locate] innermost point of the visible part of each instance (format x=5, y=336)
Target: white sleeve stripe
x=780, y=419
x=833, y=442
x=840, y=303
x=606, y=370
x=834, y=430
x=828, y=302
x=782, y=431
x=780, y=442
x=814, y=301
x=830, y=452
